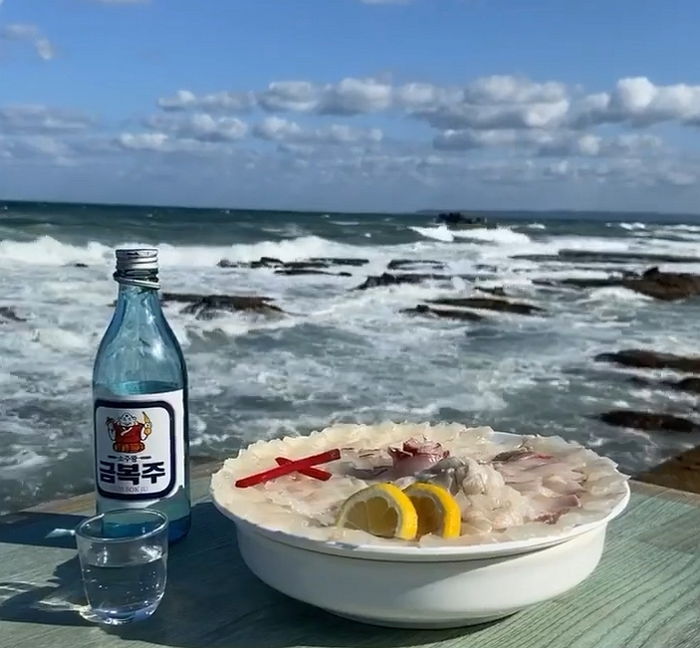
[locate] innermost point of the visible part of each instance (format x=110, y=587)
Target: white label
x=139, y=445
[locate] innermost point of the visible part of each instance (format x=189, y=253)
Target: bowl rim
x=412, y=553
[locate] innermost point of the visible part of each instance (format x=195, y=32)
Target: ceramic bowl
x=416, y=587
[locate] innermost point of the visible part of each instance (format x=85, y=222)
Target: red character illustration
x=128, y=433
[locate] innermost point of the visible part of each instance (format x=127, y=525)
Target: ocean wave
x=437, y=233
x=51, y=252
x=48, y=251
x=21, y=461
x=498, y=235
x=632, y=226
x=616, y=294
x=683, y=228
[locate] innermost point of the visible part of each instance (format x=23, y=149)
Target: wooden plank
x=644, y=594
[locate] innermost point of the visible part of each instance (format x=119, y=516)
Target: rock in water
x=209, y=306
x=652, y=360
x=304, y=265
x=448, y=313
x=585, y=256
x=489, y=304
x=669, y=286
x=649, y=421
x=310, y=271
x=387, y=279
x=691, y=384
x=410, y=264
x=352, y=261
x=8, y=314
x=266, y=262
x=497, y=291
x=262, y=262
x=272, y=262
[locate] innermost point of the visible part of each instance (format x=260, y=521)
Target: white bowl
x=429, y=594
x=436, y=587
x=422, y=587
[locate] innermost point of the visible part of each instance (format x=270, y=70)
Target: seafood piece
x=550, y=484
x=550, y=509
x=415, y=456
x=366, y=464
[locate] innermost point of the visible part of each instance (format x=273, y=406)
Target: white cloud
x=559, y=143
x=278, y=129
x=349, y=96
x=200, y=126
x=640, y=102
x=30, y=34
x=300, y=96
x=495, y=116
x=167, y=143
x=144, y=141
x=503, y=89
x=498, y=102
x=29, y=118
x=214, y=102
x=354, y=96
x=489, y=102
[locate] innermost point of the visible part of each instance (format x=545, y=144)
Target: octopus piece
x=415, y=456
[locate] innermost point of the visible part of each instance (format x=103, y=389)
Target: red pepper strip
x=316, y=473
x=286, y=469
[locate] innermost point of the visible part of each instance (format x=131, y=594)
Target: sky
x=352, y=105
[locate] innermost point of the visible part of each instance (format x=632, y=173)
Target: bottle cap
x=137, y=267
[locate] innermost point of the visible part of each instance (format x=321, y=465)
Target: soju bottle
x=140, y=402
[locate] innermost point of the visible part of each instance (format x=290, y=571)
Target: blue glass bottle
x=140, y=402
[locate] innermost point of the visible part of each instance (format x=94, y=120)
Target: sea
x=338, y=354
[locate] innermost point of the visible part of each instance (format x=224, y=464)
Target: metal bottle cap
x=137, y=267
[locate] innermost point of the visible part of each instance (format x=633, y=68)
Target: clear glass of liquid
x=123, y=557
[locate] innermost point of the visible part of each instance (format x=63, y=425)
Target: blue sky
x=352, y=104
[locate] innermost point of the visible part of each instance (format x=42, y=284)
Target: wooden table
x=645, y=592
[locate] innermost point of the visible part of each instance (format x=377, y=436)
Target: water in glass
x=123, y=556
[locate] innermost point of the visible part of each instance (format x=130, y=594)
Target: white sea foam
x=437, y=233
x=49, y=251
x=498, y=235
x=616, y=294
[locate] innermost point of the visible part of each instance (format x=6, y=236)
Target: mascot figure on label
x=128, y=433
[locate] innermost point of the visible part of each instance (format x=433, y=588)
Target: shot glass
x=123, y=558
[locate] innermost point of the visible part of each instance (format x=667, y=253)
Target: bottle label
x=139, y=445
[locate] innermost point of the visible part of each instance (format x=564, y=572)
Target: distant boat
x=458, y=220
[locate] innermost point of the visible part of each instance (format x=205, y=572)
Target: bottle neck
x=144, y=299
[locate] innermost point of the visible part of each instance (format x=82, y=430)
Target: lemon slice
x=438, y=512
x=382, y=510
